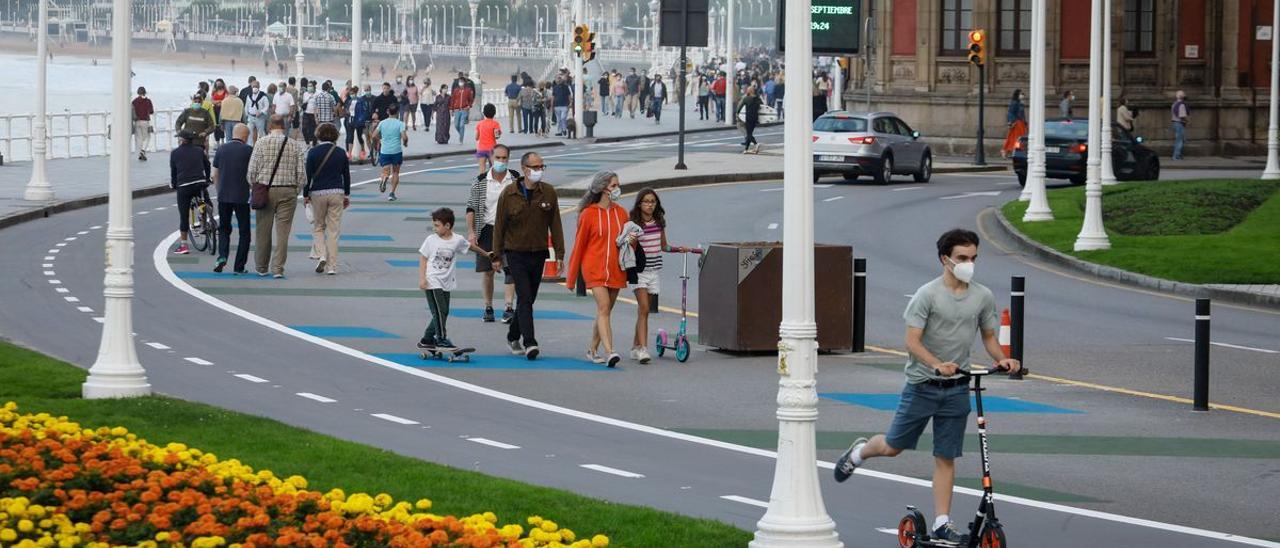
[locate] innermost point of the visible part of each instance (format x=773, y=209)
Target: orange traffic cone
x=1006, y=325
x=549, y=271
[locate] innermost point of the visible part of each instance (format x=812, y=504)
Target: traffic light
x=579, y=39
x=978, y=47
x=589, y=46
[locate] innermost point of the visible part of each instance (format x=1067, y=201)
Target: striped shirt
x=651, y=241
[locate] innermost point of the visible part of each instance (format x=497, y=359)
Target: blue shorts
x=391, y=159
x=949, y=409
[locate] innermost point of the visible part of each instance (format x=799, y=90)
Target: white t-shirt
x=440, y=254
x=311, y=105
x=283, y=103
x=492, y=191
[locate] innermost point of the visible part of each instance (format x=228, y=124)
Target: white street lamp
x=1034, y=189
x=38, y=188
x=356, y=46
x=1108, y=174
x=797, y=516
x=731, y=90
x=654, y=21
x=299, y=57
x=116, y=373
x=475, y=74
x=579, y=13
x=1272, y=171
x=1092, y=235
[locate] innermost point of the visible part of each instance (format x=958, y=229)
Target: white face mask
x=615, y=194
x=962, y=271
x=535, y=175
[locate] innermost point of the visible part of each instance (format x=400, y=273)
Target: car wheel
x=851, y=177
x=1022, y=178
x=1152, y=172
x=885, y=175
x=926, y=169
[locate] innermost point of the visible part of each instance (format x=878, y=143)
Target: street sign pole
x=979, y=155
x=680, y=86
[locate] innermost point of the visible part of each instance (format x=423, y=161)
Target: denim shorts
x=949, y=409
x=391, y=159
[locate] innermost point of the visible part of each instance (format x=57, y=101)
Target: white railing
x=75, y=134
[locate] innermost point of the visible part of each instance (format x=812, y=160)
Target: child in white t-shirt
x=437, y=275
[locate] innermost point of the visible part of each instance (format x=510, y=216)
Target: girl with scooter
x=649, y=215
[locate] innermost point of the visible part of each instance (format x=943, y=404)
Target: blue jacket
x=336, y=172
x=1016, y=112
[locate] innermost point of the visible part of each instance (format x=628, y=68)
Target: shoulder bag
x=258, y=194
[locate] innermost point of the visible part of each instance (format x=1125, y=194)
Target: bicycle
x=204, y=226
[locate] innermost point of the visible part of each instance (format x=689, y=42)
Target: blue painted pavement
x=993, y=404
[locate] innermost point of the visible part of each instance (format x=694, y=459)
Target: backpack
x=361, y=109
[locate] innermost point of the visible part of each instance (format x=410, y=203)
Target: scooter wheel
x=660, y=342
x=992, y=537
x=682, y=349
x=909, y=528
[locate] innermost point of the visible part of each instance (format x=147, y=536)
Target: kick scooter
x=985, y=530
x=680, y=343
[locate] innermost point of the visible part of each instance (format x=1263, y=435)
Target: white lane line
x=1226, y=345
x=161, y=208
x=907, y=188
x=614, y=471
x=46, y=265
x=62, y=290
x=69, y=239
x=491, y=443
x=83, y=232
x=99, y=319
x=198, y=361
x=49, y=258
x=834, y=198
x=158, y=346
x=84, y=309
x=55, y=251
x=778, y=189
x=143, y=212
x=159, y=260
x=316, y=397
x=773, y=226
x=50, y=273
x=887, y=530
x=95, y=227
x=55, y=282
x=745, y=500
x=252, y=378
x=395, y=419
x=823, y=186
x=72, y=299
x=60, y=244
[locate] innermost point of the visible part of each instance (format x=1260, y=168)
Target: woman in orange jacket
x=595, y=256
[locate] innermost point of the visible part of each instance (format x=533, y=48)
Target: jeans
x=1179, y=139
x=525, y=268
x=562, y=120
x=438, y=303
x=719, y=108
x=655, y=109
x=526, y=116
x=751, y=135
x=460, y=123
x=241, y=214
x=702, y=106
x=259, y=126
x=617, y=105
x=227, y=126
x=427, y=110
x=604, y=105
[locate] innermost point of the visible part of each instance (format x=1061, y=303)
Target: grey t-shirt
x=949, y=321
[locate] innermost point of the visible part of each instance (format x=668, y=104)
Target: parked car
x=878, y=144
x=768, y=115
x=1066, y=151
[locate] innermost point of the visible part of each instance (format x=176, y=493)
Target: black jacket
x=188, y=164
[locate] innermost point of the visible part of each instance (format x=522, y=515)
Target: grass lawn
x=39, y=383
x=1203, y=231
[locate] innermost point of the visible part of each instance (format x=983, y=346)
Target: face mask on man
x=962, y=271
x=535, y=175
x=499, y=166
x=195, y=105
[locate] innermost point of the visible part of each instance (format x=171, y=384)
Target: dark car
x=1066, y=150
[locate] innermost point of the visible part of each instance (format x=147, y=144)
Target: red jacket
x=595, y=248
x=142, y=109
x=717, y=87
x=461, y=98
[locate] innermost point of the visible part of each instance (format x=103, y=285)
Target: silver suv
x=878, y=144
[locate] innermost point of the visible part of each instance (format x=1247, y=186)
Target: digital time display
x=836, y=26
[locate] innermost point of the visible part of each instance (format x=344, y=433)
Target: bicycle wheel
x=199, y=237
x=211, y=229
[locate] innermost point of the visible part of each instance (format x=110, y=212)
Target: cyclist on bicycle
x=197, y=120
x=189, y=176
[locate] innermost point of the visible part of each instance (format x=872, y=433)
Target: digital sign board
x=837, y=26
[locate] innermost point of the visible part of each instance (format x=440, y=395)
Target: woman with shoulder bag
x=327, y=193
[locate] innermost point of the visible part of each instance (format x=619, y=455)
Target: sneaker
x=445, y=344
x=614, y=358
x=515, y=347
x=331, y=272
x=182, y=250
x=531, y=353
x=391, y=197
x=950, y=535
x=593, y=357
x=278, y=275
x=263, y=273
x=426, y=345
x=382, y=185
x=219, y=264
x=488, y=315
x=508, y=315
x=643, y=355
x=320, y=266
x=844, y=464
x=635, y=353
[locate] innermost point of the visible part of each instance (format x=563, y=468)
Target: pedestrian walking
x=633, y=92
x=1125, y=116
x=482, y=208
x=515, y=122
x=603, y=87
x=442, y=115
x=325, y=108
x=942, y=318
x=1016, y=118
x=277, y=163
x=218, y=95
x=383, y=102
x=437, y=275
x=143, y=109
x=596, y=258
x=527, y=213
x=284, y=104
x=460, y=102
x=657, y=96
x=718, y=89
x=488, y=131
x=412, y=96
x=427, y=103
x=821, y=91
x=528, y=96
x=389, y=139
x=704, y=96
x=648, y=214
x=646, y=89
x=619, y=93
x=357, y=111
x=750, y=107
x=1180, y=116
x=328, y=194
x=196, y=120
x=188, y=177
x=232, y=112
x=542, y=107
x=1064, y=105
x=231, y=179
x=257, y=108
x=780, y=91
x=309, y=122
x=562, y=99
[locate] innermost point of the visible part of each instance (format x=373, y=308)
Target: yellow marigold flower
x=335, y=494
x=491, y=517
x=119, y=431
x=548, y=526
x=535, y=520
x=382, y=499
x=8, y=535
x=297, y=481
x=599, y=541
x=35, y=511
x=162, y=536
x=26, y=526
x=568, y=535
x=423, y=504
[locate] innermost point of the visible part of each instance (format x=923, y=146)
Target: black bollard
x=1017, y=294
x=859, y=305
x=1202, y=356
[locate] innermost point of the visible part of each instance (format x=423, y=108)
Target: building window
x=957, y=20
x=1015, y=26
x=1139, y=27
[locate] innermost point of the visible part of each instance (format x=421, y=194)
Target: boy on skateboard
x=942, y=318
x=438, y=277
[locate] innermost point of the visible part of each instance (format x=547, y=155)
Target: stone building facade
x=1218, y=51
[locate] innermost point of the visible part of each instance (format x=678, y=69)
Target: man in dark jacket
x=195, y=119
x=189, y=176
x=231, y=178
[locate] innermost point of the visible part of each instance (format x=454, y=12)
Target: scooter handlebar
x=976, y=372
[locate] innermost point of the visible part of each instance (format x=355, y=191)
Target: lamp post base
x=38, y=193
x=121, y=384
x=1091, y=243
x=800, y=534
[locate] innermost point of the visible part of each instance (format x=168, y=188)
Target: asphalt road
x=360, y=390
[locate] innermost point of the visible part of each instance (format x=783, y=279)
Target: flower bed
x=65, y=485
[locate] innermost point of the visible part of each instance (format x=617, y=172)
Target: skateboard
x=453, y=355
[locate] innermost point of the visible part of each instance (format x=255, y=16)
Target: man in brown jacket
x=527, y=212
